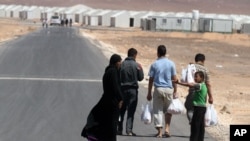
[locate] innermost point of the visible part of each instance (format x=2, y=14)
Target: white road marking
x=50, y=79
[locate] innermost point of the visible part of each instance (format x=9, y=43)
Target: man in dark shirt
x=131, y=73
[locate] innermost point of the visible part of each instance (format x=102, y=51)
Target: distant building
x=215, y=25
x=79, y=15
x=120, y=19
x=104, y=18
x=159, y=23
x=245, y=28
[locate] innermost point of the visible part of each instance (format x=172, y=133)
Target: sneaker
x=131, y=134
x=119, y=132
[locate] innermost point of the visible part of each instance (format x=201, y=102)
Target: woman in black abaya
x=102, y=121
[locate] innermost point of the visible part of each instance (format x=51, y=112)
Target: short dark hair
x=199, y=57
x=132, y=52
x=161, y=50
x=201, y=74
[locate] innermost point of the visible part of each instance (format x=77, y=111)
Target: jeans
x=130, y=100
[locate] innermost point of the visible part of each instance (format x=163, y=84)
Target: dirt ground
x=12, y=28
x=227, y=57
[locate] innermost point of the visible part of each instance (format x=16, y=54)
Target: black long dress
x=103, y=118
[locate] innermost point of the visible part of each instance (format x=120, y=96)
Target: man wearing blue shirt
x=161, y=74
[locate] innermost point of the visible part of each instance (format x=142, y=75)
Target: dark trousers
x=189, y=105
x=198, y=124
x=130, y=100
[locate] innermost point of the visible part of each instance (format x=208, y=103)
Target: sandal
x=158, y=136
x=167, y=134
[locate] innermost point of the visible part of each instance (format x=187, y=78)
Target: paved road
x=49, y=81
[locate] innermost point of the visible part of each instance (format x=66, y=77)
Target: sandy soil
x=227, y=57
x=12, y=28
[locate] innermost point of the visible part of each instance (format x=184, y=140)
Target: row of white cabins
x=147, y=20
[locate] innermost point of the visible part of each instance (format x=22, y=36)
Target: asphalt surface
x=50, y=80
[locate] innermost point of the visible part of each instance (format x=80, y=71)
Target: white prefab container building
x=172, y=23
x=74, y=12
x=70, y=14
x=8, y=11
x=238, y=20
x=135, y=18
x=245, y=28
x=120, y=19
x=87, y=14
x=43, y=14
x=23, y=13
x=2, y=10
x=34, y=12
x=93, y=20
x=144, y=20
x=60, y=12
x=79, y=15
x=15, y=11
x=103, y=17
x=215, y=25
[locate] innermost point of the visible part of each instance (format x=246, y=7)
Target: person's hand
x=175, y=95
x=210, y=100
x=139, y=66
x=120, y=104
x=149, y=97
x=175, y=81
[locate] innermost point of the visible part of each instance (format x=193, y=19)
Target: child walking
x=199, y=103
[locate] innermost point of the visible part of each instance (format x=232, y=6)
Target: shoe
x=167, y=135
x=119, y=132
x=131, y=134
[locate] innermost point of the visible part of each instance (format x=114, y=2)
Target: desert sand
x=227, y=58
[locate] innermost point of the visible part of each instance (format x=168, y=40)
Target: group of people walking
x=66, y=22
x=120, y=94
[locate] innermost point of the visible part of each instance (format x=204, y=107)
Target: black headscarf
x=113, y=60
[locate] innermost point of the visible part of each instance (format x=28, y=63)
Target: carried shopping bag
x=187, y=74
x=211, y=116
x=176, y=107
x=146, y=115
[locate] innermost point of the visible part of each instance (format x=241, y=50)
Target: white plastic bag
x=176, y=107
x=187, y=74
x=211, y=116
x=184, y=75
x=146, y=116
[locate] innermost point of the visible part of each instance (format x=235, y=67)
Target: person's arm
x=209, y=92
x=150, y=85
x=208, y=84
x=117, y=87
x=140, y=73
x=174, y=79
x=185, y=83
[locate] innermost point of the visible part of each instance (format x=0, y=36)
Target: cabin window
x=164, y=21
x=179, y=21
